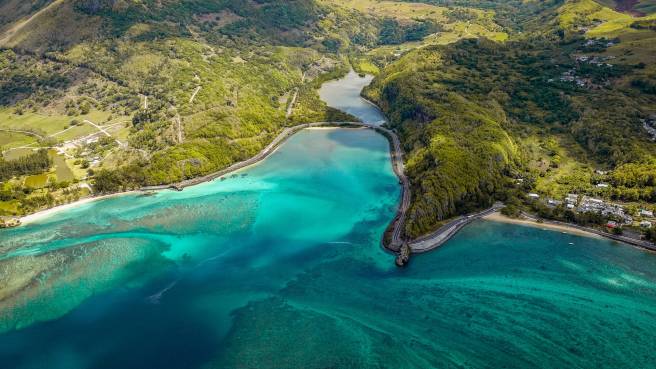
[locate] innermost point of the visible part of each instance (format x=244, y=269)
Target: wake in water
x=155, y=298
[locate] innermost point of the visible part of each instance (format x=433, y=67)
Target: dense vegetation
x=470, y=114
x=30, y=164
x=492, y=99
x=244, y=59
x=392, y=32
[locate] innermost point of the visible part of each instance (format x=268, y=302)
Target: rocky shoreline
x=9, y=222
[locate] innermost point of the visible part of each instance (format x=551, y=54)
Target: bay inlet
x=279, y=266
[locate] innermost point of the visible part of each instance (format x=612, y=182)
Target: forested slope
x=133, y=66
x=546, y=111
x=492, y=99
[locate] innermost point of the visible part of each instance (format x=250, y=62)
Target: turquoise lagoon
x=280, y=266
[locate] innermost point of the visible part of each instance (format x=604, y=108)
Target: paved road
x=444, y=233
x=399, y=169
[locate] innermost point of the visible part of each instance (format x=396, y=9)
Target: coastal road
x=444, y=233
x=399, y=169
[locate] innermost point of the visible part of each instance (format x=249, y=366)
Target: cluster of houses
x=650, y=126
x=570, y=76
x=583, y=204
x=599, y=61
x=594, y=42
x=592, y=205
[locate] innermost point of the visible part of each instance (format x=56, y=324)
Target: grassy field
x=641, y=6
x=600, y=21
x=45, y=124
x=482, y=23
x=36, y=181
x=402, y=11
x=635, y=46
x=14, y=139
x=477, y=23
x=9, y=207
x=62, y=171
x=17, y=153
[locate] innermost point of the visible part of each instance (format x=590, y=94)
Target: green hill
x=485, y=94
x=133, y=67
x=552, y=108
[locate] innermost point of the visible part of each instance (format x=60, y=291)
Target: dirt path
x=290, y=108
x=193, y=95
x=4, y=38
x=23, y=132
x=103, y=131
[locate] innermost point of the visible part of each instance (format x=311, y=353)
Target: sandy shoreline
x=43, y=214
x=498, y=217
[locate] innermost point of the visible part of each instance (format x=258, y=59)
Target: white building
x=572, y=198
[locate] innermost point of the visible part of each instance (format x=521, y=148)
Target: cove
x=173, y=266
x=280, y=266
